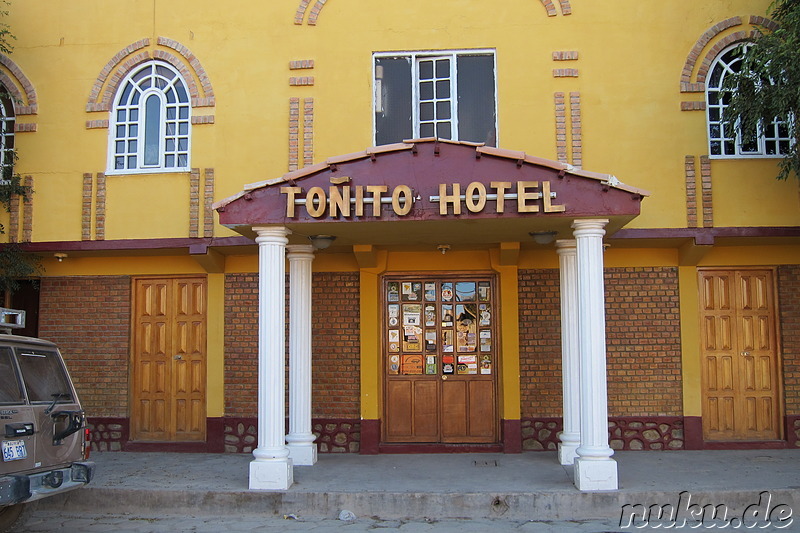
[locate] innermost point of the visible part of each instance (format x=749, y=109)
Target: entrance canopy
x=428, y=188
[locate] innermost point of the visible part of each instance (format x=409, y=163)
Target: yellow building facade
x=157, y=135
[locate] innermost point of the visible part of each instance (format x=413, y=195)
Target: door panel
x=740, y=370
x=440, y=354
x=169, y=368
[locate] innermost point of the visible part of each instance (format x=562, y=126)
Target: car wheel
x=13, y=516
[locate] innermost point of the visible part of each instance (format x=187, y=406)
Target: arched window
x=7, y=120
x=772, y=140
x=150, y=122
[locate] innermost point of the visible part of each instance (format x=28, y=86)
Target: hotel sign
x=341, y=199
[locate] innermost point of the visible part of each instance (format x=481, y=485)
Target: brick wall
x=335, y=346
x=643, y=341
x=540, y=343
x=789, y=316
x=642, y=336
x=89, y=318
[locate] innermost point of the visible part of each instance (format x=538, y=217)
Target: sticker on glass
x=411, y=364
x=447, y=368
x=466, y=327
x=412, y=314
x=447, y=316
x=484, y=292
x=447, y=340
x=430, y=365
x=393, y=291
x=447, y=292
x=485, y=315
x=430, y=340
x=486, y=340
x=486, y=364
x=430, y=316
x=412, y=291
x=430, y=291
x=412, y=339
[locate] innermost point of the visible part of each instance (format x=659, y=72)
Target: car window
x=44, y=376
x=10, y=391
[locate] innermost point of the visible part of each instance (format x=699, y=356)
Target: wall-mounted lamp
x=60, y=256
x=444, y=248
x=320, y=242
x=543, y=237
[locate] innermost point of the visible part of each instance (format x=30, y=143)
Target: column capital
x=300, y=251
x=566, y=246
x=589, y=227
x=272, y=234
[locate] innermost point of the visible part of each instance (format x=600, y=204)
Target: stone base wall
x=624, y=433
x=332, y=435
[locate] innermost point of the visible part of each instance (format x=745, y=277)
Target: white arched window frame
x=150, y=122
x=773, y=139
x=7, y=120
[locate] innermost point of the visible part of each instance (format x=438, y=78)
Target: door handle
x=745, y=353
x=444, y=378
x=177, y=357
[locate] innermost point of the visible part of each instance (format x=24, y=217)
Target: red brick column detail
x=301, y=11
x=208, y=200
x=89, y=317
x=13, y=219
x=27, y=212
x=706, y=198
x=194, y=203
x=100, y=208
x=294, y=133
x=789, y=320
x=576, y=129
x=315, y=11
x=566, y=9
x=697, y=49
x=308, y=131
x=691, y=191
x=561, y=127
x=86, y=211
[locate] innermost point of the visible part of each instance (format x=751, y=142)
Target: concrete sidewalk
x=528, y=486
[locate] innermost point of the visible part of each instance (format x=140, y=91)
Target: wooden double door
x=741, y=371
x=440, y=359
x=169, y=360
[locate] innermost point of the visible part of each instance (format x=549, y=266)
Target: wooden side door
x=440, y=355
x=169, y=360
x=741, y=374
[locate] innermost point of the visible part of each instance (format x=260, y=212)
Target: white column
x=570, y=351
x=594, y=467
x=272, y=468
x=300, y=439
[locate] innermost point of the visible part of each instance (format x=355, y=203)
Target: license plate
x=14, y=450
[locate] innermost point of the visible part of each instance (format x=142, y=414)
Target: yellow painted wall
x=629, y=88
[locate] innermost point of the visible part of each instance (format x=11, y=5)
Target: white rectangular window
x=449, y=95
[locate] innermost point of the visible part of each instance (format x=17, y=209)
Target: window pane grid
x=152, y=114
x=773, y=139
x=435, y=105
x=7, y=119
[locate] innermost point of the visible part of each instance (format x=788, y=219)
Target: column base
x=593, y=474
x=567, y=453
x=273, y=474
x=303, y=455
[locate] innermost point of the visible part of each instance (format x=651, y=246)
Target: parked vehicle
x=43, y=433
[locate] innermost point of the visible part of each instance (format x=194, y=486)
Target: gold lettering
x=405, y=192
x=375, y=191
x=472, y=205
x=445, y=199
x=316, y=193
x=290, y=193
x=523, y=196
x=548, y=207
x=339, y=200
x=501, y=187
x=359, y=200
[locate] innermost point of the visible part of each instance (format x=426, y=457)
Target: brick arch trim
x=20, y=87
x=105, y=87
x=302, y=7
x=697, y=84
